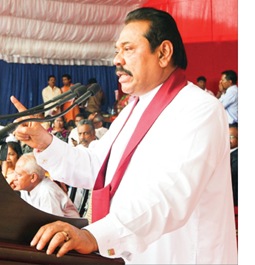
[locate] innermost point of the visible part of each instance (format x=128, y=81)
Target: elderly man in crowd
x=40, y=191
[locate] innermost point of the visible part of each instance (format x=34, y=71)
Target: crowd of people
x=35, y=184
x=153, y=200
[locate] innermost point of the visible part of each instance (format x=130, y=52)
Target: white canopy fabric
x=64, y=32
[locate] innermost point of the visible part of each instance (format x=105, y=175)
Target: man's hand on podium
x=66, y=237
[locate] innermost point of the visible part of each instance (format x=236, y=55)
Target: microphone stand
x=61, y=99
x=12, y=126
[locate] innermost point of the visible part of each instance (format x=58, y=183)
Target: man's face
x=66, y=81
x=224, y=83
x=86, y=135
x=77, y=120
x=137, y=67
x=201, y=84
x=23, y=180
x=52, y=82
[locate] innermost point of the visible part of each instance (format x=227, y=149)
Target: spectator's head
x=98, y=120
x=78, y=117
x=59, y=123
x=70, y=125
x=51, y=80
x=66, y=79
x=228, y=78
x=28, y=174
x=201, y=82
x=92, y=81
x=14, y=152
x=86, y=132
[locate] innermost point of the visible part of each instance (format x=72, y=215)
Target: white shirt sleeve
x=68, y=162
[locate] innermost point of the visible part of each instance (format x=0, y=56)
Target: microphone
x=91, y=91
x=61, y=96
x=75, y=90
x=76, y=93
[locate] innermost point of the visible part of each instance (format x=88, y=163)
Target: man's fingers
x=44, y=235
x=64, y=237
x=35, y=241
x=59, y=240
x=53, y=234
x=64, y=249
x=17, y=104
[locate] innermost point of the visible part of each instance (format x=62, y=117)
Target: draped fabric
x=81, y=32
x=26, y=81
x=43, y=37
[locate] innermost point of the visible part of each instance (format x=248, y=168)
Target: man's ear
x=165, y=53
x=34, y=177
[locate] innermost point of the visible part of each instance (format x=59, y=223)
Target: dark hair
x=50, y=76
x=201, y=78
x=92, y=80
x=162, y=27
x=233, y=125
x=61, y=117
x=16, y=147
x=67, y=76
x=70, y=123
x=88, y=122
x=230, y=75
x=80, y=114
x=98, y=118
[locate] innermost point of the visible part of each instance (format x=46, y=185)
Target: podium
x=19, y=222
x=11, y=253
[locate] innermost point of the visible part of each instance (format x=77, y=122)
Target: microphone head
x=80, y=90
x=75, y=86
x=94, y=88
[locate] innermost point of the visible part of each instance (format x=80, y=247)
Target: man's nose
x=118, y=59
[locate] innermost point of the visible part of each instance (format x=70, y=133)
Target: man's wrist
x=45, y=142
x=92, y=240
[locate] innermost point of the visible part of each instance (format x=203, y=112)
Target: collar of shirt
x=232, y=150
x=34, y=191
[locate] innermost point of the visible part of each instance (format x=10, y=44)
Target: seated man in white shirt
x=201, y=82
x=40, y=191
x=98, y=122
x=73, y=138
x=81, y=196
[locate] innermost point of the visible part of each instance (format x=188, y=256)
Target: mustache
x=121, y=69
x=83, y=142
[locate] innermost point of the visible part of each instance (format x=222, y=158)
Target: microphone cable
x=92, y=90
x=61, y=99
